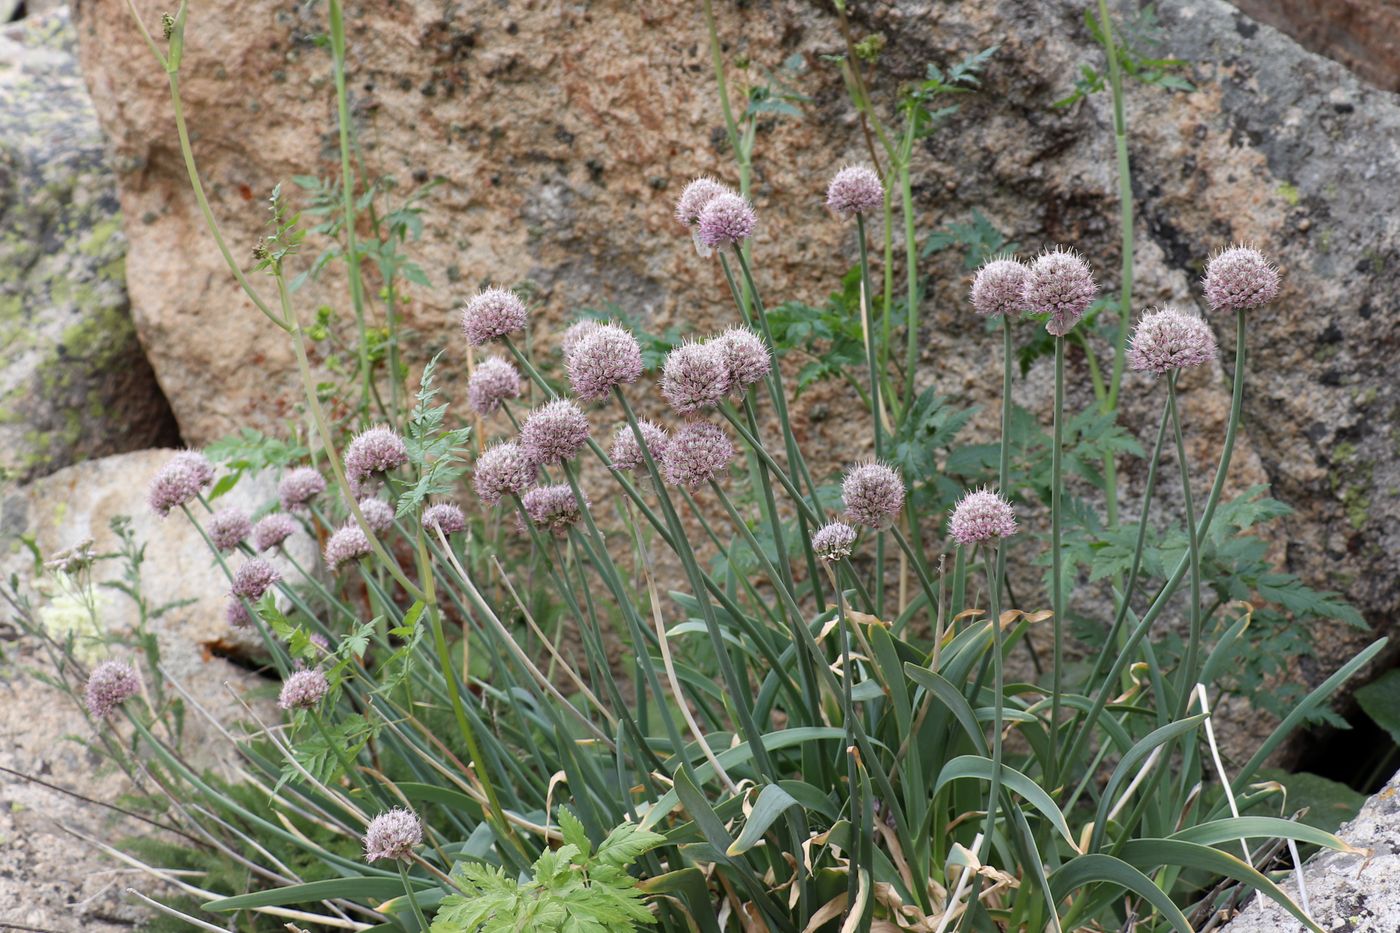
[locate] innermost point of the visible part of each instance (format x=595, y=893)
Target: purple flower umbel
x=349, y=543
x=608, y=357
x=1060, y=285
x=272, y=530
x=727, y=219
x=110, y=684
x=228, y=527
x=626, y=453
x=493, y=381
x=554, y=432
x=698, y=453
x=694, y=377
x=1240, y=278
x=873, y=494
x=444, y=516
x=834, y=541
x=746, y=358
x=856, y=189
x=553, y=508
x=492, y=313
x=303, y=690
x=253, y=578
x=378, y=514
x=999, y=286
x=695, y=197
x=180, y=481
x=503, y=470
x=372, y=453
x=1168, y=340
x=393, y=835
x=981, y=516
x=299, y=487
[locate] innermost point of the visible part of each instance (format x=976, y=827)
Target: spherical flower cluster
x=746, y=358
x=698, y=452
x=378, y=514
x=575, y=334
x=502, y=470
x=553, y=508
x=228, y=527
x=303, y=690
x=1168, y=340
x=1240, y=278
x=554, y=432
x=981, y=516
x=299, y=487
x=626, y=453
x=695, y=376
x=253, y=579
x=492, y=313
x=445, y=517
x=493, y=381
x=834, y=541
x=695, y=197
x=856, y=189
x=272, y=530
x=372, y=452
x=110, y=684
x=873, y=494
x=393, y=834
x=236, y=613
x=727, y=219
x=606, y=358
x=180, y=481
x=998, y=287
x=1059, y=284
x=349, y=543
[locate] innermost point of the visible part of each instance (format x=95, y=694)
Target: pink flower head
x=253, y=578
x=180, y=481
x=110, y=684
x=349, y=543
x=873, y=494
x=272, y=530
x=727, y=219
x=981, y=516
x=575, y=334
x=746, y=358
x=303, y=690
x=856, y=189
x=554, y=432
x=999, y=286
x=694, y=377
x=698, y=452
x=228, y=527
x=1240, y=278
x=1059, y=284
x=445, y=517
x=393, y=835
x=626, y=453
x=608, y=357
x=1169, y=339
x=372, y=453
x=503, y=470
x=299, y=487
x=695, y=197
x=492, y=313
x=378, y=514
x=493, y=381
x=236, y=613
x=553, y=508
x=834, y=541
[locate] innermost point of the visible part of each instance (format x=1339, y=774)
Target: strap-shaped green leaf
x=771, y=803
x=1097, y=867
x=974, y=766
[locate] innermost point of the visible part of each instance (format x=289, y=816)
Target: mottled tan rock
x=563, y=132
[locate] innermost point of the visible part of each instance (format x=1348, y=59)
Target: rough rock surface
x=74, y=383
x=1364, y=35
x=562, y=134
x=48, y=879
x=1346, y=893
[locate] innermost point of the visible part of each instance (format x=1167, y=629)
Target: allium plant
x=531, y=722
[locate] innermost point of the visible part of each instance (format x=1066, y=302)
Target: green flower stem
x=848, y=720
x=1125, y=207
x=408, y=890
x=770, y=507
x=1186, y=680
x=911, y=275
x=1125, y=653
x=347, y=195
x=917, y=560
x=318, y=414
x=998, y=706
x=1057, y=584
x=871, y=352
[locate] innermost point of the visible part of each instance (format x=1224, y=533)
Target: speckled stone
x=1347, y=893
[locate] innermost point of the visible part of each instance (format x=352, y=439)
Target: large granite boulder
x=74, y=382
x=563, y=134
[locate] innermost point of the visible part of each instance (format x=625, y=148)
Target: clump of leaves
x=433, y=448
x=574, y=889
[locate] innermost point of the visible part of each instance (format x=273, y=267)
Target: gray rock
x=1346, y=893
x=74, y=382
x=49, y=879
